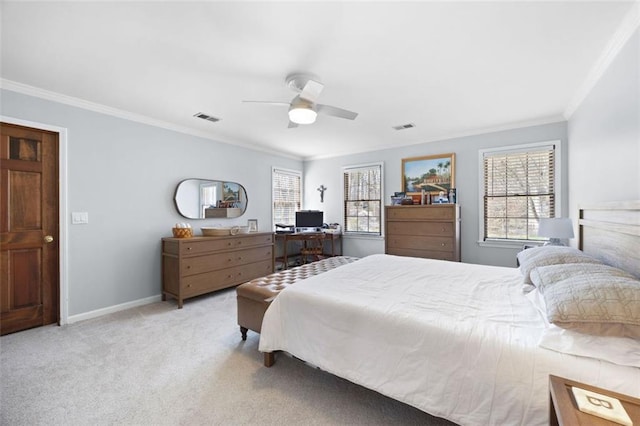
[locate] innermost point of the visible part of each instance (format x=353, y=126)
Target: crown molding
x=625, y=30
x=37, y=92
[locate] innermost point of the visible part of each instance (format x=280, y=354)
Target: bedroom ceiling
x=450, y=68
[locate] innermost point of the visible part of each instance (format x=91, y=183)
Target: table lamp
x=555, y=228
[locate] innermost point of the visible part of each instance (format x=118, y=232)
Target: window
x=286, y=186
x=518, y=188
x=208, y=196
x=363, y=199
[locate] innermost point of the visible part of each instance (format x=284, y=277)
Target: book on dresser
x=430, y=231
x=199, y=265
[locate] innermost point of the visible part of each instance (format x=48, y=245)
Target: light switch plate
x=79, y=218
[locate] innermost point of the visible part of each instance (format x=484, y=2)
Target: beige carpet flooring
x=159, y=365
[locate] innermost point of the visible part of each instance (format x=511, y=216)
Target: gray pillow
x=550, y=255
x=544, y=276
x=591, y=298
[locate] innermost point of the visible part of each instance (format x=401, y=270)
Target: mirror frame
x=216, y=209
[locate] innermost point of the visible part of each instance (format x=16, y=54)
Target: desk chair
x=313, y=247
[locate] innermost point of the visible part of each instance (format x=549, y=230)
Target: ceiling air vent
x=404, y=126
x=206, y=117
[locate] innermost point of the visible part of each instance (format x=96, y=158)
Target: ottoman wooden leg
x=243, y=331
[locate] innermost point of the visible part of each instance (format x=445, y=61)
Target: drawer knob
x=188, y=285
x=444, y=244
x=240, y=258
x=188, y=267
x=188, y=248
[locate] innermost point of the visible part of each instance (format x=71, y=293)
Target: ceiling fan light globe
x=302, y=115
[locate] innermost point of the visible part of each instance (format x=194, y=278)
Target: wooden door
x=29, y=228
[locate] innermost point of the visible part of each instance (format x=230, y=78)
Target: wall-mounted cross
x=321, y=189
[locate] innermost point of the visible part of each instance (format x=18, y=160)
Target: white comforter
x=456, y=340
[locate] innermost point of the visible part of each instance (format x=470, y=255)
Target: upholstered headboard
x=611, y=232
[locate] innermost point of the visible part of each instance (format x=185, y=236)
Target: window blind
x=286, y=196
x=519, y=190
x=363, y=199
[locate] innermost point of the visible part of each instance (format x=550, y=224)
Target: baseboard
x=111, y=309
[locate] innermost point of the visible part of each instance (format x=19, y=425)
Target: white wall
x=124, y=175
x=329, y=172
x=604, y=135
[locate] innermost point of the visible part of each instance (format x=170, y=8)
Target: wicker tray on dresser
x=431, y=231
x=199, y=265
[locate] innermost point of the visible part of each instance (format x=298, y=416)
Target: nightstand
x=563, y=410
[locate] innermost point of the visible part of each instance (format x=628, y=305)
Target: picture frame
x=253, y=225
x=433, y=173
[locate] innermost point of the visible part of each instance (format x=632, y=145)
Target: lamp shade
x=556, y=228
x=302, y=115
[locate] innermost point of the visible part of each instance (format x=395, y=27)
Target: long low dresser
x=199, y=265
x=431, y=231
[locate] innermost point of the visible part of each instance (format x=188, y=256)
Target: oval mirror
x=210, y=199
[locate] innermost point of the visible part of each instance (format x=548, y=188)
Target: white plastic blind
x=519, y=190
x=286, y=196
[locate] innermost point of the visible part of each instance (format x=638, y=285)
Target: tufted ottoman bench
x=255, y=296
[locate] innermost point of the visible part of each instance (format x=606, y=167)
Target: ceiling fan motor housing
x=297, y=81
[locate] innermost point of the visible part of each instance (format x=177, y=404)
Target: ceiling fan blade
x=336, y=112
x=311, y=90
x=268, y=102
x=292, y=125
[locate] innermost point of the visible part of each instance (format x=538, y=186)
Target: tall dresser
x=431, y=231
x=199, y=265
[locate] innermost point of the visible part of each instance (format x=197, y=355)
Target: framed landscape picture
x=433, y=173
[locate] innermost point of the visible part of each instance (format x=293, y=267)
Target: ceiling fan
x=303, y=108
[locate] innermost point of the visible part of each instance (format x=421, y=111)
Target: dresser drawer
x=443, y=229
x=206, y=245
x=428, y=254
x=445, y=212
x=420, y=243
x=210, y=281
x=198, y=264
x=431, y=231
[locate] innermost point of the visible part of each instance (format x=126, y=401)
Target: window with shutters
x=287, y=195
x=363, y=199
x=518, y=188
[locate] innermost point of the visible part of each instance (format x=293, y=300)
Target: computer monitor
x=309, y=219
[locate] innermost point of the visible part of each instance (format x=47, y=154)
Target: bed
x=470, y=343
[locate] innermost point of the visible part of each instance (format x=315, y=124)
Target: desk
x=285, y=238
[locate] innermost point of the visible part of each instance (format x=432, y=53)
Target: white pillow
x=549, y=255
x=617, y=350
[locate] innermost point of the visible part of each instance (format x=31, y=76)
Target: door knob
x=48, y=239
